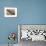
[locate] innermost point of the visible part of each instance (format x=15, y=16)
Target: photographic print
x=32, y=32
x=10, y=12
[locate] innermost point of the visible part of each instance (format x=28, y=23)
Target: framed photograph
x=10, y=12
x=31, y=32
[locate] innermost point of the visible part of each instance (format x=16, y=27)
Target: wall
x=29, y=12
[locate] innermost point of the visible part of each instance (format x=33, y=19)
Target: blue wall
x=29, y=12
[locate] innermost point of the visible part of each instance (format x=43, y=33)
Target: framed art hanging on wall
x=10, y=12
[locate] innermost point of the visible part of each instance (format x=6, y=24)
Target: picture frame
x=10, y=12
x=36, y=32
